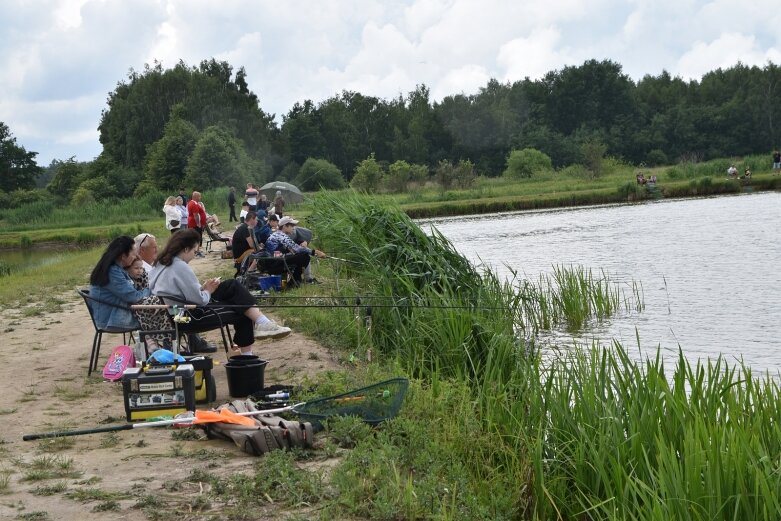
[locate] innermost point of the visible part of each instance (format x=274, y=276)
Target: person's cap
x=287, y=220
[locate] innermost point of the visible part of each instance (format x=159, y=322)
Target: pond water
x=708, y=268
x=21, y=260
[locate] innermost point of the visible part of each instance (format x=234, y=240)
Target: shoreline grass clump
x=590, y=434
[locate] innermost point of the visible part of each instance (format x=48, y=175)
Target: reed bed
x=590, y=434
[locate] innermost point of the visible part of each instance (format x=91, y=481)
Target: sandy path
x=44, y=387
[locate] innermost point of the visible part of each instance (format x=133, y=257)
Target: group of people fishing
x=132, y=270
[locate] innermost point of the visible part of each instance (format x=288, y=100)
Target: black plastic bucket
x=245, y=375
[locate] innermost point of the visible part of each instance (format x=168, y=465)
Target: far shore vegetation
x=40, y=222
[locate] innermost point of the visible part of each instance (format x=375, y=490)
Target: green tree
x=219, y=159
x=140, y=107
x=319, y=173
x=68, y=175
x=368, y=175
x=95, y=189
x=594, y=155
x=524, y=163
x=167, y=158
x=18, y=168
x=398, y=176
x=444, y=174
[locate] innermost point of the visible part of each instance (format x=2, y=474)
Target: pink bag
x=120, y=359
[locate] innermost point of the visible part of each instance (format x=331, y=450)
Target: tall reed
x=590, y=434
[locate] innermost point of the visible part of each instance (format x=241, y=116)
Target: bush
x=82, y=196
x=398, y=176
x=368, y=175
x=576, y=171
x=319, y=173
x=524, y=163
x=593, y=155
x=656, y=157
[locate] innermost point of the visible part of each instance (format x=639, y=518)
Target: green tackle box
x=161, y=390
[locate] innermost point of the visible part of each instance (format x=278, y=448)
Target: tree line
x=200, y=126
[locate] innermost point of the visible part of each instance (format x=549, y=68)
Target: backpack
x=120, y=359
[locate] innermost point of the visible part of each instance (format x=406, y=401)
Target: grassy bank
x=495, y=431
x=491, y=429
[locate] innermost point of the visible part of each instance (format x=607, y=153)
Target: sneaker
x=201, y=345
x=271, y=330
x=312, y=281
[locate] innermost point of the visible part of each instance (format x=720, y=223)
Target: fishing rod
x=340, y=259
x=264, y=301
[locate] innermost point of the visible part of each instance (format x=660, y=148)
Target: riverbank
x=130, y=475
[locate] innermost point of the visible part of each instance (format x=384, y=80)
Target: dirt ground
x=45, y=388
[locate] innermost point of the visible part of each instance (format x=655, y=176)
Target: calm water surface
x=709, y=268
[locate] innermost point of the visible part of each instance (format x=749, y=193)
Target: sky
x=60, y=59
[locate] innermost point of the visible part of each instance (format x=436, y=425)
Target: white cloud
x=533, y=56
x=723, y=52
x=60, y=58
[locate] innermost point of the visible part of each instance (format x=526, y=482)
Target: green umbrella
x=291, y=193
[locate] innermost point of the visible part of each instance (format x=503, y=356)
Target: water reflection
x=708, y=268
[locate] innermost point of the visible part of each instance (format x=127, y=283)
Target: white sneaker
x=271, y=330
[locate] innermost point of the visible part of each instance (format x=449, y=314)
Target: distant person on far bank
x=776, y=162
x=232, y=205
x=732, y=171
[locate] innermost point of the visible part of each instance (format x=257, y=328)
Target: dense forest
x=201, y=127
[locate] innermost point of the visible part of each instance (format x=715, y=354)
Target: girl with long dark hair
x=113, y=288
x=172, y=277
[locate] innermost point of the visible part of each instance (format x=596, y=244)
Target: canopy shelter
x=291, y=193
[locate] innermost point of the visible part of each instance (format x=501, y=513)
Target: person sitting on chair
x=244, y=211
x=113, y=288
x=136, y=272
x=280, y=243
x=146, y=244
x=174, y=281
x=244, y=240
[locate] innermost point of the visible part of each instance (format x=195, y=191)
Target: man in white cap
x=280, y=243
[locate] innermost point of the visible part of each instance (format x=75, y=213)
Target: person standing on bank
x=173, y=219
x=776, y=162
x=172, y=276
x=251, y=194
x=279, y=204
x=232, y=205
x=196, y=216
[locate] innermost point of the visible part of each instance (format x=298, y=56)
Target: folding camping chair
x=98, y=338
x=163, y=326
x=214, y=236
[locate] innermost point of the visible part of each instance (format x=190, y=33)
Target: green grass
x=50, y=467
x=504, y=433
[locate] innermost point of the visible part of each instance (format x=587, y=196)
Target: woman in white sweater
x=172, y=277
x=173, y=219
